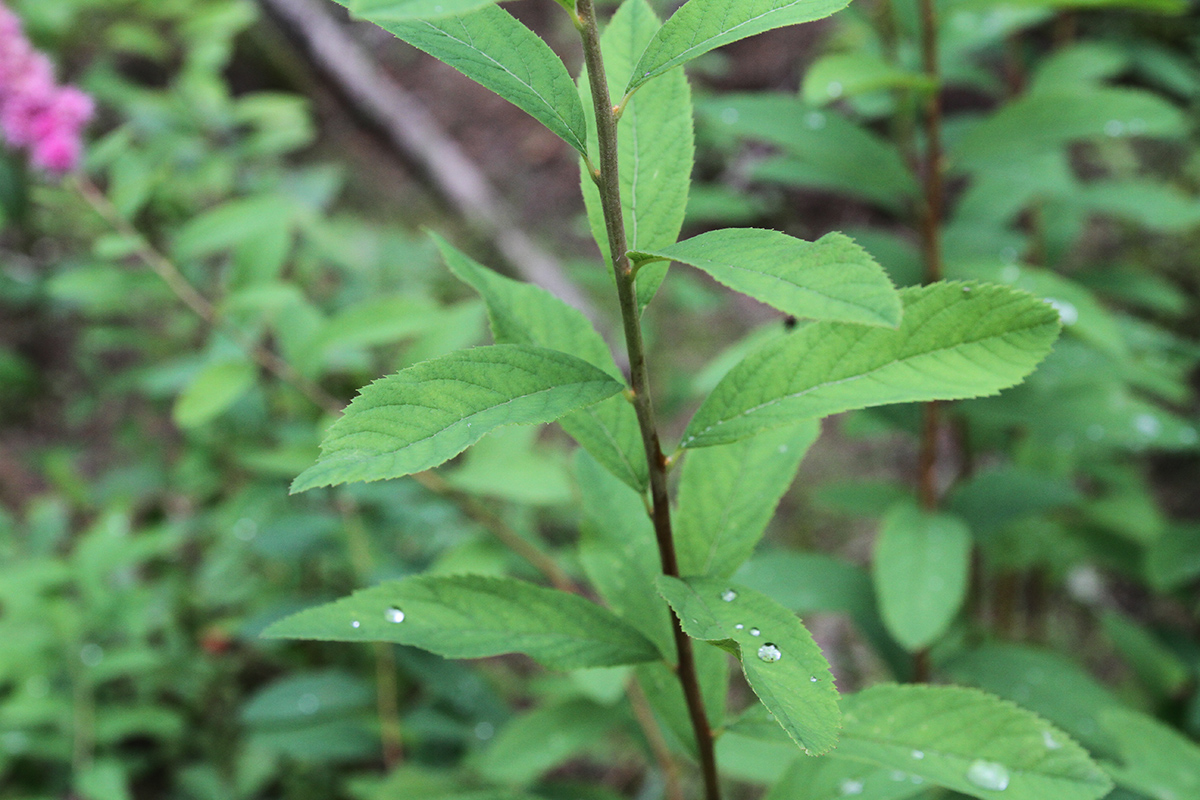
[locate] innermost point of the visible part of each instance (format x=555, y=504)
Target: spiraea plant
x=653, y=591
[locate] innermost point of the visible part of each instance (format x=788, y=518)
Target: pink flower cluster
x=35, y=112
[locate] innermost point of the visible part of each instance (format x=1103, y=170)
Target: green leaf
x=1155, y=760
x=389, y=10
x=833, y=778
x=727, y=495
x=1158, y=667
x=472, y=616
x=783, y=664
x=432, y=411
x=921, y=565
x=492, y=48
x=956, y=341
x=1081, y=313
x=1041, y=680
x=214, y=389
x=991, y=499
x=822, y=150
x=232, y=224
x=807, y=582
x=543, y=738
x=843, y=75
x=703, y=25
x=1047, y=120
x=521, y=313
x=832, y=278
x=609, y=431
x=968, y=741
x=655, y=145
x=618, y=552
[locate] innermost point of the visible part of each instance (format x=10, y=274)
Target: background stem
x=660, y=506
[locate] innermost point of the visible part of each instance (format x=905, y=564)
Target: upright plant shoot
x=662, y=567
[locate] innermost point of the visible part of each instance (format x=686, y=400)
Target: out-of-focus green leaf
x=921, y=565
x=214, y=389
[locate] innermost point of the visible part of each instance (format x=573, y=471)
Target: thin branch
x=285, y=372
x=660, y=504
x=198, y=303
x=412, y=131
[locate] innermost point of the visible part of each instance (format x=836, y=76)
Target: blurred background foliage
x=149, y=434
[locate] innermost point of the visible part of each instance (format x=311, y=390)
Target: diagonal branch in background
x=412, y=130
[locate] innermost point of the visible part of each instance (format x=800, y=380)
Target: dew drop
x=813, y=679
x=988, y=775
x=834, y=89
x=1066, y=311
x=815, y=120
x=898, y=776
x=755, y=632
x=729, y=595
x=966, y=290
x=1050, y=741
x=308, y=703
x=245, y=529
x=91, y=654
x=1114, y=127
x=355, y=624
x=738, y=627
x=783, y=448
x=395, y=615
x=918, y=755
x=485, y=731
x=769, y=653
x=1147, y=424
x=849, y=787
x=14, y=742
x=730, y=115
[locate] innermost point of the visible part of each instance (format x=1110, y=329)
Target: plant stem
x=931, y=240
x=931, y=244
x=609, y=185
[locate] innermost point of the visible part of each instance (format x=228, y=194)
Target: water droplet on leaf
x=850, y=787
x=813, y=679
x=738, y=627
x=988, y=775
x=815, y=120
x=729, y=595
x=355, y=624
x=730, y=115
x=1051, y=742
x=484, y=731
x=755, y=632
x=1066, y=311
x=1147, y=424
x=308, y=703
x=395, y=615
x=1114, y=127
x=91, y=654
x=834, y=89
x=769, y=653
x=918, y=755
